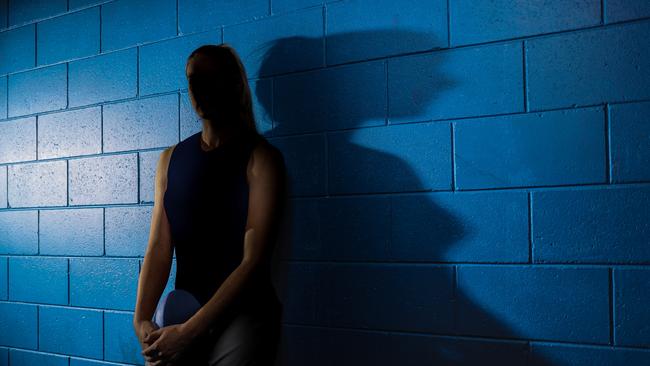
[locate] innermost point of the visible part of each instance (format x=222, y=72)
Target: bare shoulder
x=265, y=160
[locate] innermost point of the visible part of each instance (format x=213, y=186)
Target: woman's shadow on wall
x=342, y=307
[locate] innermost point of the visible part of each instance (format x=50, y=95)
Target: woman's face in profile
x=203, y=82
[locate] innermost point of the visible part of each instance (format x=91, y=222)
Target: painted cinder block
x=3, y=97
x=569, y=304
x=629, y=126
x=74, y=232
x=37, y=184
x=18, y=49
x=399, y=297
x=162, y=64
x=591, y=225
x=305, y=159
x=38, y=279
x=476, y=22
x=18, y=325
x=621, y=10
x=3, y=186
x=349, y=96
x=631, y=312
x=127, y=23
x=483, y=226
x=18, y=140
x=190, y=121
x=70, y=331
x=19, y=232
x=120, y=341
x=21, y=12
x=148, y=164
x=338, y=228
x=68, y=37
x=607, y=64
x=76, y=4
x=141, y=123
x=127, y=230
x=39, y=90
x=106, y=77
x=543, y=354
x=461, y=82
x=103, y=179
x=70, y=133
x=4, y=279
x=25, y=357
x=261, y=92
x=199, y=15
x=533, y=149
x=265, y=44
x=395, y=158
x=107, y=283
x=367, y=29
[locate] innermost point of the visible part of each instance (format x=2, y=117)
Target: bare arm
x=158, y=256
x=267, y=193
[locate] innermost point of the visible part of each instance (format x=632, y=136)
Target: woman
x=219, y=198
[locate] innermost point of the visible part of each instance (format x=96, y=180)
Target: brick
x=298, y=109
x=78, y=231
x=3, y=186
x=339, y=228
x=37, y=184
x=473, y=22
x=18, y=49
x=281, y=6
x=74, y=4
x=127, y=23
x=18, y=140
x=631, y=312
x=19, y=232
x=599, y=225
x=38, y=90
x=306, y=163
x=533, y=149
x=190, y=121
x=18, y=325
x=24, y=357
x=558, y=354
x=103, y=78
x=103, y=179
x=629, y=145
x=70, y=133
x=68, y=37
x=264, y=43
x=3, y=97
x=199, y=15
x=456, y=83
x=4, y=279
x=514, y=302
x=38, y=279
x=370, y=296
x=127, y=230
x=261, y=93
x=3, y=24
x=148, y=164
x=141, y=124
x=21, y=12
x=621, y=10
x=162, y=64
x=70, y=331
x=396, y=158
x=120, y=341
x=460, y=227
x=589, y=67
x=366, y=29
x=107, y=283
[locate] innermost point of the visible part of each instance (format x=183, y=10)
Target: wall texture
x=469, y=178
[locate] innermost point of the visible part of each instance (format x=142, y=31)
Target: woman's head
x=218, y=87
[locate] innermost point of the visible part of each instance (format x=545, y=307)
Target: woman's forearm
x=154, y=275
x=230, y=289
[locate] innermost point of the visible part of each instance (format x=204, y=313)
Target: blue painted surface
x=469, y=181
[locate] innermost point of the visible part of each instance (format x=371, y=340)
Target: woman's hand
x=166, y=344
x=143, y=329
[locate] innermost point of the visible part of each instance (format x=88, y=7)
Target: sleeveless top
x=206, y=203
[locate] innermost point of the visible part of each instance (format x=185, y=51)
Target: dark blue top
x=206, y=203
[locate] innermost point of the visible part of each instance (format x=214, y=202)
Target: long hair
x=234, y=81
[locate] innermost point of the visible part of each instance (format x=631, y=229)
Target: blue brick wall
x=470, y=181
